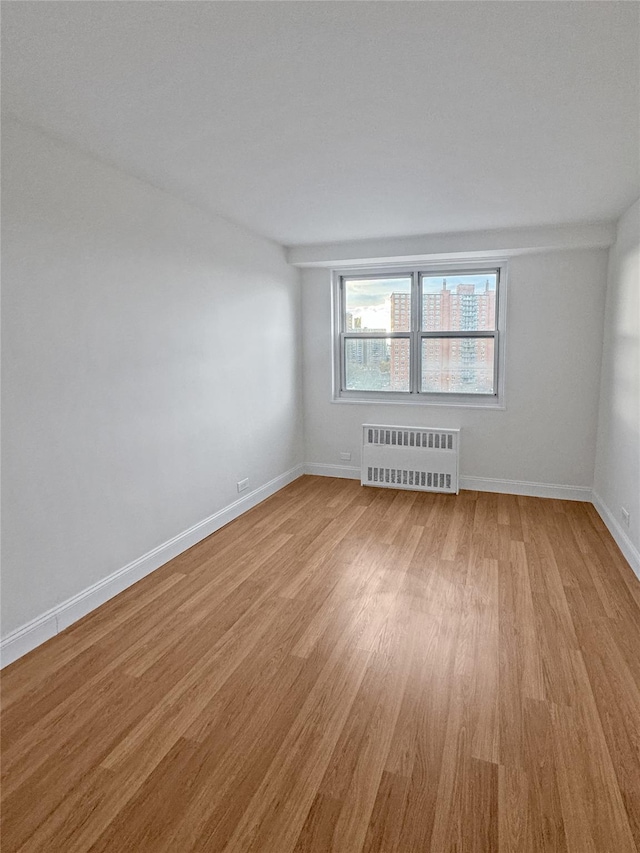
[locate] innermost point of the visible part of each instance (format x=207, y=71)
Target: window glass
x=377, y=304
x=457, y=365
x=452, y=303
x=377, y=364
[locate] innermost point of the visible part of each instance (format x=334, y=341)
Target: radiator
x=420, y=459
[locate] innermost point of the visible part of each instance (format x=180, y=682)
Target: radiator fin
x=394, y=437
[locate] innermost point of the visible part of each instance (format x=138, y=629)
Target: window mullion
x=359, y=336
x=342, y=314
x=414, y=362
x=466, y=333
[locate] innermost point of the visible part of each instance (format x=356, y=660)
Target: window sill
x=457, y=402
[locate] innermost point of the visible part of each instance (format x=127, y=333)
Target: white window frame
x=414, y=396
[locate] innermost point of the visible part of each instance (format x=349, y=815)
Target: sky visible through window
x=370, y=300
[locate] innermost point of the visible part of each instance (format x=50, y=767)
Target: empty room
x=320, y=426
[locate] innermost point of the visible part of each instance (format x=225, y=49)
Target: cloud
x=361, y=293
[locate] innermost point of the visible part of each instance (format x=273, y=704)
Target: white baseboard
x=48, y=624
x=346, y=472
x=629, y=550
x=29, y=636
x=522, y=487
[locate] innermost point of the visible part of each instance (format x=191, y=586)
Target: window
x=420, y=335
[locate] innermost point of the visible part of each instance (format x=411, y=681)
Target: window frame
x=416, y=273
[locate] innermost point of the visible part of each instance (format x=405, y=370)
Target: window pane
x=457, y=303
x=377, y=304
x=376, y=364
x=458, y=365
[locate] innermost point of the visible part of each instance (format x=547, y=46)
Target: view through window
x=421, y=332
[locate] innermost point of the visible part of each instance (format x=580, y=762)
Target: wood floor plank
x=592, y=807
x=344, y=669
x=383, y=832
x=236, y=765
x=275, y=817
x=467, y=783
x=418, y=746
x=545, y=823
x=617, y=699
x=360, y=754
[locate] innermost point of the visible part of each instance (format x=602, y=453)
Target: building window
x=421, y=335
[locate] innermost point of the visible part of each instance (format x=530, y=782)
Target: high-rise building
x=400, y=322
x=367, y=350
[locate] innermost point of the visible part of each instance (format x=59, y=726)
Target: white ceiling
x=324, y=121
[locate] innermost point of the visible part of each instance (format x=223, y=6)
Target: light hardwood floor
x=344, y=669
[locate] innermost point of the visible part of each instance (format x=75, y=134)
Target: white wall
x=546, y=435
x=617, y=474
x=150, y=360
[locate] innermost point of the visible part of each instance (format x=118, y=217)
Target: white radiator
x=421, y=459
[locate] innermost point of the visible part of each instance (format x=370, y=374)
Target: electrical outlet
x=345, y=456
x=625, y=516
x=243, y=484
